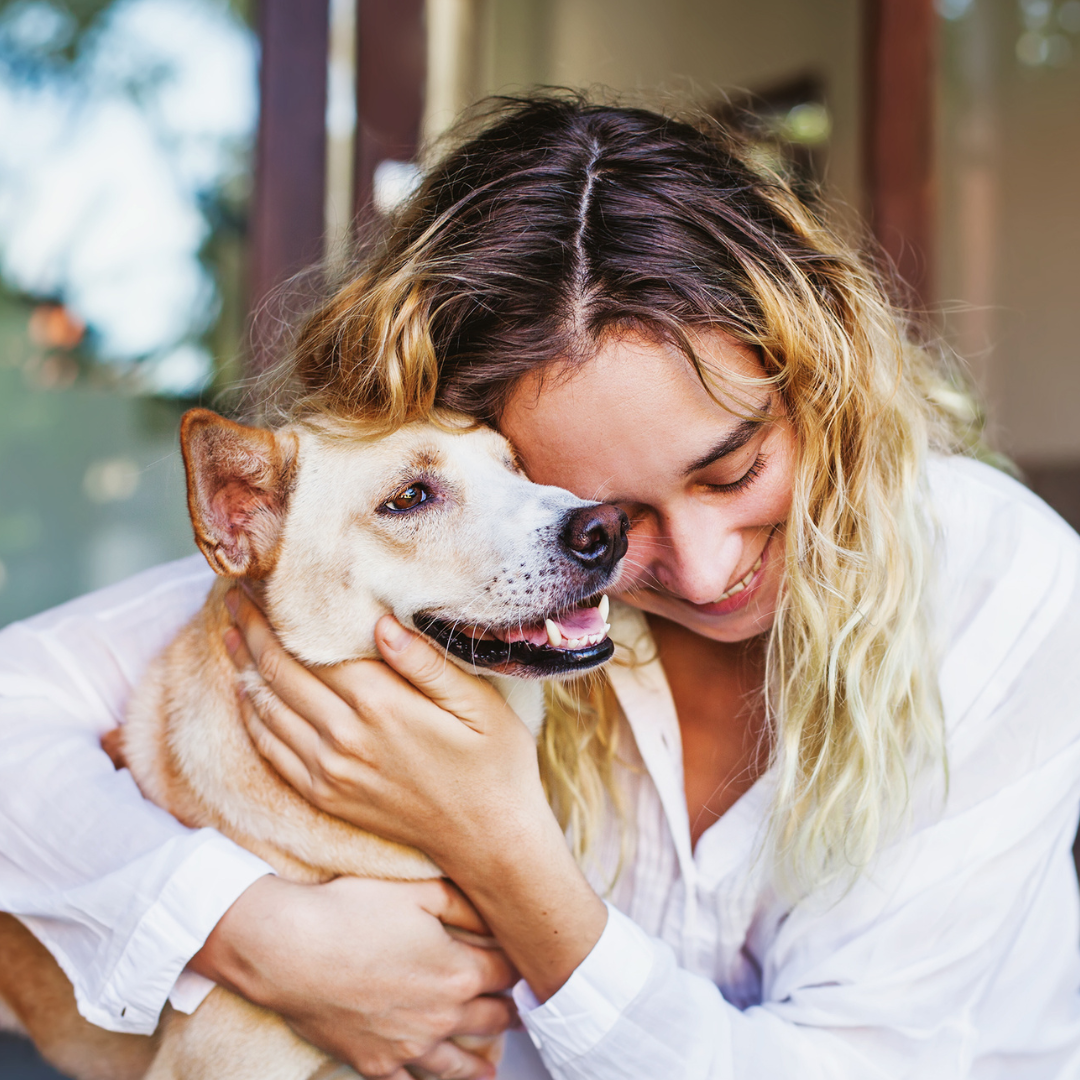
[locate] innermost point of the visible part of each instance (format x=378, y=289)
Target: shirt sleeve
x=955, y=955
x=118, y=891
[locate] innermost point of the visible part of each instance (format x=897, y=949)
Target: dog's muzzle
x=521, y=658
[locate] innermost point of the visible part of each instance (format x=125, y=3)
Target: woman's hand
x=366, y=970
x=426, y=754
x=419, y=751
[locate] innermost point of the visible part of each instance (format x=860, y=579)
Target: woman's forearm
x=533, y=896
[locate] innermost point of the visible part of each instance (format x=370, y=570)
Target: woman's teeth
x=739, y=585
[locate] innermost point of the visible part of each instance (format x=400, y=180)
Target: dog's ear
x=239, y=480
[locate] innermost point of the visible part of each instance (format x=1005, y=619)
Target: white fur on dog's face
x=481, y=548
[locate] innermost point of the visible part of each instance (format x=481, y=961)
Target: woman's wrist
x=231, y=955
x=535, y=899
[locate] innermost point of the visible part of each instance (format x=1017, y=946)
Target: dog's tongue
x=575, y=628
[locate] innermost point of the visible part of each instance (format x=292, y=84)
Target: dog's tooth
x=607, y=628
x=555, y=638
x=603, y=607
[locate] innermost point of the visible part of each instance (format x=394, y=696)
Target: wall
x=656, y=51
x=1010, y=230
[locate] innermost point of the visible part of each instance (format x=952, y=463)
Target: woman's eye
x=407, y=498
x=747, y=477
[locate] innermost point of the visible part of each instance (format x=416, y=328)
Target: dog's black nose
x=595, y=536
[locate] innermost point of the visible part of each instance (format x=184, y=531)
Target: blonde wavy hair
x=555, y=222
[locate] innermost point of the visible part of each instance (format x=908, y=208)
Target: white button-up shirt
x=955, y=956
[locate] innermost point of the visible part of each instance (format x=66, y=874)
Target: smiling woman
x=564, y=254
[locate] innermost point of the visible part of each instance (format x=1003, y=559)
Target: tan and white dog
x=336, y=527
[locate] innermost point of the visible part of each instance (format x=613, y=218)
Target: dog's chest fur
x=189, y=752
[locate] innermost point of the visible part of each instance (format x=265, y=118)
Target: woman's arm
x=118, y=890
x=124, y=896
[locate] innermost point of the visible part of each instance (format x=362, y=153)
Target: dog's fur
x=307, y=514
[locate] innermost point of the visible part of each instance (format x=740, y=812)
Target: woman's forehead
x=635, y=401
x=632, y=372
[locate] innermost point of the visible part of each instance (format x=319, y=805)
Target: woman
x=830, y=792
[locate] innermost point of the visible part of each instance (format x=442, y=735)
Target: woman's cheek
x=636, y=562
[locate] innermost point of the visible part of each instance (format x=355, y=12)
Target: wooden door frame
x=288, y=208
x=899, y=73
x=287, y=218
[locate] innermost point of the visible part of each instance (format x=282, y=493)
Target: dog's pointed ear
x=239, y=480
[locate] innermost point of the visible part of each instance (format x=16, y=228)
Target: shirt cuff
x=174, y=929
x=589, y=1004
x=189, y=991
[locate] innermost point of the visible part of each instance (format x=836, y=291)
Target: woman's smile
x=707, y=490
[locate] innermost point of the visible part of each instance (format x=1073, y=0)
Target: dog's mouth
x=573, y=641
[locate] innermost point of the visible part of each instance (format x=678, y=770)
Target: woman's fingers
x=304, y=693
x=487, y=1016
x=292, y=768
x=447, y=1061
x=447, y=903
x=494, y=972
x=428, y=669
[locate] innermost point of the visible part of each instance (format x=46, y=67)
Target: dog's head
x=434, y=523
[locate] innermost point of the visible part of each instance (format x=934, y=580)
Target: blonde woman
x=820, y=812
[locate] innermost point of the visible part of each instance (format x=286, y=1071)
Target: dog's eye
x=407, y=498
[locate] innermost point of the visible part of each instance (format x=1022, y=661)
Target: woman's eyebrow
x=734, y=440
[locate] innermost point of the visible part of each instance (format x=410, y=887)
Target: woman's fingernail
x=232, y=602
x=395, y=635
x=232, y=640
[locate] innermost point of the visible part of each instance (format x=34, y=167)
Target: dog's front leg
x=228, y=1038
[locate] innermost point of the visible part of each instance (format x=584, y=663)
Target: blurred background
x=165, y=163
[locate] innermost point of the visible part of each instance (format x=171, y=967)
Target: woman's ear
x=239, y=480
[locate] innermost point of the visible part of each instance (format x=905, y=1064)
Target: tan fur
x=302, y=511
x=43, y=1002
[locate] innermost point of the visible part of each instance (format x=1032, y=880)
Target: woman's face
x=707, y=492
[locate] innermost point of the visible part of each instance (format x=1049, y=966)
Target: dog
x=334, y=525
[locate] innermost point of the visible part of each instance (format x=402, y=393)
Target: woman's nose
x=697, y=562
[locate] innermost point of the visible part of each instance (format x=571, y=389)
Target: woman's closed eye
x=757, y=467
